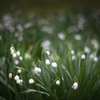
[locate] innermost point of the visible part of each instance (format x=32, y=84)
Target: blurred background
x=39, y=6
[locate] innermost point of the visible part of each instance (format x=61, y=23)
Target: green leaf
x=32, y=90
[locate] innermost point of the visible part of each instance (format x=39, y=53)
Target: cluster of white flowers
x=14, y=55
x=27, y=56
x=31, y=81
x=75, y=85
x=18, y=81
x=95, y=43
x=36, y=69
x=58, y=82
x=46, y=44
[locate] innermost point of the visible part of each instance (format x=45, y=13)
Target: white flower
x=48, y=52
x=75, y=85
x=19, y=81
x=83, y=56
x=72, y=51
x=47, y=62
x=10, y=75
x=27, y=56
x=20, y=58
x=61, y=36
x=54, y=64
x=78, y=37
x=14, y=55
x=91, y=56
x=95, y=59
x=18, y=53
x=19, y=70
x=73, y=57
x=16, y=62
x=31, y=81
x=16, y=77
x=87, y=50
x=57, y=82
x=37, y=69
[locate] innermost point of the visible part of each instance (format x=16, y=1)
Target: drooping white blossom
x=54, y=64
x=58, y=82
x=47, y=62
x=75, y=85
x=31, y=81
x=37, y=69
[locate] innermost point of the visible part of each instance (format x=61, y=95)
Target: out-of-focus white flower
x=78, y=37
x=27, y=56
x=83, y=56
x=16, y=77
x=16, y=62
x=48, y=52
x=75, y=85
x=95, y=59
x=14, y=55
x=54, y=64
x=46, y=44
x=11, y=49
x=87, y=50
x=57, y=82
x=19, y=81
x=72, y=51
x=61, y=36
x=20, y=58
x=37, y=69
x=31, y=81
x=47, y=62
x=10, y=75
x=18, y=53
x=91, y=56
x=19, y=70
x=73, y=57
x=0, y=37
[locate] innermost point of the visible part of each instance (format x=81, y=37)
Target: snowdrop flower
x=10, y=75
x=19, y=70
x=57, y=82
x=19, y=81
x=54, y=64
x=48, y=53
x=87, y=50
x=14, y=55
x=16, y=62
x=83, y=56
x=20, y=58
x=72, y=51
x=37, y=69
x=73, y=57
x=31, y=81
x=18, y=53
x=75, y=85
x=78, y=37
x=61, y=36
x=95, y=59
x=11, y=49
x=16, y=77
x=47, y=62
x=27, y=56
